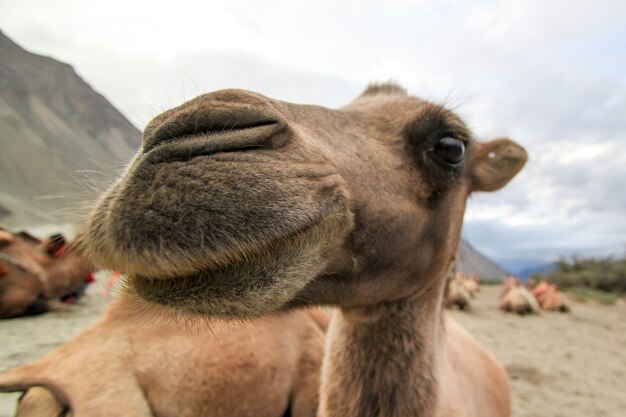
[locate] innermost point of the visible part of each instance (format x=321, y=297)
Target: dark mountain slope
x=470, y=261
x=53, y=126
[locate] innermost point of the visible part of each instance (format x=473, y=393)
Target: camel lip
x=229, y=257
x=257, y=136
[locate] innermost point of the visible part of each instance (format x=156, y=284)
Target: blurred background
x=80, y=80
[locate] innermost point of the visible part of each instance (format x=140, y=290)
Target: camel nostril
x=206, y=119
x=177, y=131
x=207, y=142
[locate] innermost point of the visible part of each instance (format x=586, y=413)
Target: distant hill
x=471, y=261
x=536, y=269
x=53, y=127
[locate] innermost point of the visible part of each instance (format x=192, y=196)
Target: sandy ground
x=560, y=364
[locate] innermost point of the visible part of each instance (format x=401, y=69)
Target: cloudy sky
x=551, y=74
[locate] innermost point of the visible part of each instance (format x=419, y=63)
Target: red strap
x=90, y=278
x=59, y=252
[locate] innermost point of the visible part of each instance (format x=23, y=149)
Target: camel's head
x=239, y=205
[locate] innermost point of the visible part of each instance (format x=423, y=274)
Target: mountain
x=55, y=130
x=471, y=261
x=536, y=269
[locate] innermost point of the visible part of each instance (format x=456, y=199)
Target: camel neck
x=382, y=360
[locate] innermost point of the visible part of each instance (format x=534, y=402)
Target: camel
x=457, y=293
x=124, y=365
x=460, y=290
x=516, y=298
x=239, y=205
x=550, y=298
x=33, y=278
x=471, y=284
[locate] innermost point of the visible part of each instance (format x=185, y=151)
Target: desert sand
x=559, y=364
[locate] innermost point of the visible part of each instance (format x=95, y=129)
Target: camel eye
x=450, y=150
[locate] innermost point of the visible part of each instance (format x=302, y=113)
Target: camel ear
x=495, y=163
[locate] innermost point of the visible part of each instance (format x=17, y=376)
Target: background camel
x=516, y=298
x=457, y=293
x=550, y=298
x=136, y=362
x=471, y=283
x=20, y=287
x=239, y=205
x=33, y=277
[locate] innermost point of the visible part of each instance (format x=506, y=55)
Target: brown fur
x=125, y=365
x=33, y=278
x=239, y=205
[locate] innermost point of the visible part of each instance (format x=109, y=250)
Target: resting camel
x=125, y=365
x=550, y=298
x=516, y=298
x=239, y=205
x=471, y=283
x=33, y=278
x=456, y=293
